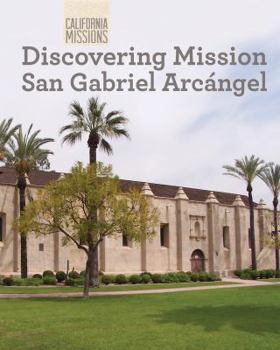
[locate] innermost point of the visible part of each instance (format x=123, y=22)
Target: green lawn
x=269, y=280
x=221, y=319
x=62, y=289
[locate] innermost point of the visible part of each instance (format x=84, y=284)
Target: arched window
x=197, y=229
x=226, y=240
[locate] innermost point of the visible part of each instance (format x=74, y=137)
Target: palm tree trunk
x=275, y=219
x=23, y=241
x=93, y=142
x=252, y=227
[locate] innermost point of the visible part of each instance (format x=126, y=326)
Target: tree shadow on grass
x=248, y=318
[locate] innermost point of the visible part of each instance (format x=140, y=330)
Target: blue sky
x=176, y=138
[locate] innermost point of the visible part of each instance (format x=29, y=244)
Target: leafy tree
x=65, y=206
x=6, y=132
x=247, y=169
x=99, y=127
x=271, y=177
x=25, y=153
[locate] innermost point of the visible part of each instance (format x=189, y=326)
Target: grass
x=269, y=280
x=243, y=319
x=62, y=289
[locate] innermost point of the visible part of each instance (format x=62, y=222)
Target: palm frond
x=25, y=151
x=271, y=177
x=247, y=168
x=106, y=147
x=93, y=120
x=6, y=132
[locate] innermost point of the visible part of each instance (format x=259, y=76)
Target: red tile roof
x=41, y=178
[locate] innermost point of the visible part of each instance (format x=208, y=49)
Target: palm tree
x=24, y=153
x=247, y=169
x=99, y=127
x=271, y=177
x=94, y=123
x=6, y=132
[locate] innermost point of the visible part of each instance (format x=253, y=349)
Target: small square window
x=41, y=247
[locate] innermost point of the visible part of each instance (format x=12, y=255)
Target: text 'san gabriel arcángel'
x=147, y=71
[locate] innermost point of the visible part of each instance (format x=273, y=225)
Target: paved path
x=238, y=284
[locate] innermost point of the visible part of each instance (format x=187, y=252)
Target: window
x=164, y=235
x=2, y=226
x=41, y=247
x=1, y=229
x=126, y=242
x=197, y=229
x=226, y=241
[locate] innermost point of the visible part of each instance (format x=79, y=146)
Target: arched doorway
x=197, y=261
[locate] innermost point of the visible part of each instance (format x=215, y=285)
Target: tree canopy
x=66, y=205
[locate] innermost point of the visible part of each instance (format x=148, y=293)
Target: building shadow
x=247, y=318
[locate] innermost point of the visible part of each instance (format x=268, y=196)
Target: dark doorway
x=197, y=261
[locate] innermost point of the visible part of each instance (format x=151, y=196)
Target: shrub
x=49, y=280
x=246, y=276
x=60, y=276
x=277, y=274
x=121, y=279
x=194, y=277
x=269, y=273
x=48, y=273
x=73, y=274
x=156, y=278
x=237, y=273
x=78, y=282
x=33, y=281
x=83, y=273
x=18, y=281
x=8, y=281
x=37, y=275
x=254, y=274
x=108, y=279
x=183, y=277
x=134, y=279
x=1, y=280
x=146, y=273
x=212, y=277
x=74, y=282
x=70, y=282
x=146, y=278
x=170, y=277
x=203, y=277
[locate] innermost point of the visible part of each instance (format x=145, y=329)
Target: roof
x=40, y=178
